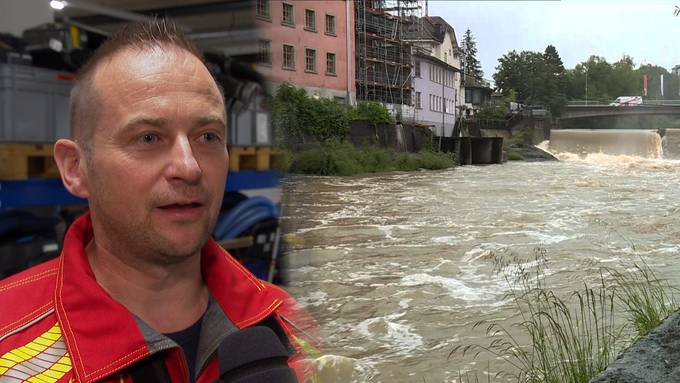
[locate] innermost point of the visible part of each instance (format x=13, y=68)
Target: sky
x=648, y=31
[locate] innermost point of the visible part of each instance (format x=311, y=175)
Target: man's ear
x=70, y=160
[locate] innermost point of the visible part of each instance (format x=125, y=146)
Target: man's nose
x=184, y=165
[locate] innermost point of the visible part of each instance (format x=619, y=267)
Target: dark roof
x=433, y=28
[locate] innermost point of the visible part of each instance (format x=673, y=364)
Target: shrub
x=372, y=112
x=435, y=160
x=514, y=155
x=407, y=162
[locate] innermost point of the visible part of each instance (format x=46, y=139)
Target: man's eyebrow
x=210, y=119
x=146, y=120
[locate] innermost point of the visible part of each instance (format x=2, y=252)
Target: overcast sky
x=646, y=30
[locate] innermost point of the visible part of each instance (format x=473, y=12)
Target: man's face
x=158, y=160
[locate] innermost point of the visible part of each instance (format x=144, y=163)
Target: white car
x=627, y=101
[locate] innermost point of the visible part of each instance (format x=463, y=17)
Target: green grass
x=343, y=159
x=573, y=339
x=514, y=155
x=646, y=299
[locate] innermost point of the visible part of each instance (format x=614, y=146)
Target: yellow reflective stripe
x=44, y=343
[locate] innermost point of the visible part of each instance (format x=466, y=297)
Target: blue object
x=243, y=216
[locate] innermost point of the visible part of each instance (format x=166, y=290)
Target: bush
x=372, y=112
x=435, y=160
x=342, y=158
x=514, y=155
x=282, y=159
x=407, y=162
x=312, y=161
x=297, y=117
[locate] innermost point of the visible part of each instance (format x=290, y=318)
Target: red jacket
x=58, y=325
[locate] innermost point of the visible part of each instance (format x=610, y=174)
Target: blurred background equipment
x=42, y=45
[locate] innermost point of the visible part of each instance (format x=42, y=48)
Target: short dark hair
x=154, y=33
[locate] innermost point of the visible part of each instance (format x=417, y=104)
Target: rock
x=654, y=358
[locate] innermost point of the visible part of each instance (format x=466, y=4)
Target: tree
x=472, y=67
x=536, y=78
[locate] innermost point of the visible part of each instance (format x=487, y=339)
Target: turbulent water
x=397, y=268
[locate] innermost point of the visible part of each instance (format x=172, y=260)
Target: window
x=262, y=9
x=417, y=68
x=310, y=60
x=265, y=52
x=288, y=14
x=330, y=63
x=330, y=25
x=310, y=20
x=288, y=56
x=418, y=106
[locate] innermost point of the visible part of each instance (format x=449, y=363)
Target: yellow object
x=75, y=37
x=37, y=356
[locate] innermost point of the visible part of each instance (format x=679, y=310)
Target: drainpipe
x=349, y=59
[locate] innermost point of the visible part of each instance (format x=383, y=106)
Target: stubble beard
x=138, y=241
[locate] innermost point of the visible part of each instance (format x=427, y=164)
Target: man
x=140, y=292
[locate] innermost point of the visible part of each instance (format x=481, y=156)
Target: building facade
x=309, y=44
x=438, y=87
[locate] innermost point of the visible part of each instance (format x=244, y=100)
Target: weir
x=642, y=143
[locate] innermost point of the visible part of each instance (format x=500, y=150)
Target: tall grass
x=573, y=339
x=646, y=299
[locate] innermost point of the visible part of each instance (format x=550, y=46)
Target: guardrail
x=606, y=103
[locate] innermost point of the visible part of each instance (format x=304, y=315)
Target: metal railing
x=607, y=103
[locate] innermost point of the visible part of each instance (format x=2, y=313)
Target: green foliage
x=572, y=340
x=646, y=299
x=473, y=69
x=514, y=155
x=533, y=78
x=492, y=112
x=282, y=159
x=372, y=112
x=435, y=160
x=298, y=118
x=343, y=159
x=520, y=137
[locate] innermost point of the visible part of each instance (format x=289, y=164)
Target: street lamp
x=586, y=86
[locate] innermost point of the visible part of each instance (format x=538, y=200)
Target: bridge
x=585, y=111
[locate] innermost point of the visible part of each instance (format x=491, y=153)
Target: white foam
x=455, y=287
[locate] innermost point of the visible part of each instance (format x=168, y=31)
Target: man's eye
x=148, y=138
x=210, y=137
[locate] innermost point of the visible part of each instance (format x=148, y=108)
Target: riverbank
x=653, y=358
x=341, y=158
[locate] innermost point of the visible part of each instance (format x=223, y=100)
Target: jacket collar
x=103, y=337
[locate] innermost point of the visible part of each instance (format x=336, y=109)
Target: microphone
x=254, y=355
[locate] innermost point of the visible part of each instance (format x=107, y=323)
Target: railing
x=606, y=103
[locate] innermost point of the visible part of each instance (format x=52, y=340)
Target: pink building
x=309, y=44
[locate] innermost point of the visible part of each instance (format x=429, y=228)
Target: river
x=398, y=267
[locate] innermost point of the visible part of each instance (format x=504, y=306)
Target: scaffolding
x=384, y=62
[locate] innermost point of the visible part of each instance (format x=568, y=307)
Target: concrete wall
x=315, y=82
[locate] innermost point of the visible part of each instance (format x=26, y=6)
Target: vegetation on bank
x=311, y=132
x=343, y=159
x=572, y=340
x=300, y=119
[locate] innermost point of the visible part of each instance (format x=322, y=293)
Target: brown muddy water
x=398, y=267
